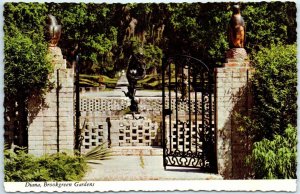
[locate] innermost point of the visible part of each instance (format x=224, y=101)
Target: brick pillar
x=232, y=95
x=51, y=126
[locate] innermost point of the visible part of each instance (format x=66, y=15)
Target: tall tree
x=26, y=65
x=88, y=27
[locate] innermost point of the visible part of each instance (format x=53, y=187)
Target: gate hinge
x=167, y=111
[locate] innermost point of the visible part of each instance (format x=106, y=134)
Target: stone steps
x=137, y=151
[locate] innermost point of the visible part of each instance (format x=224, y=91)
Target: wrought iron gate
x=188, y=114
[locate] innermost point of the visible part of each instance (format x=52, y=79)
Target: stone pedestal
x=56, y=58
x=236, y=57
x=51, y=126
x=232, y=96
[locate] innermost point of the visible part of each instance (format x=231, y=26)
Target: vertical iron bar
x=163, y=113
x=203, y=116
x=176, y=106
x=108, y=131
x=170, y=108
x=190, y=111
x=183, y=93
x=196, y=113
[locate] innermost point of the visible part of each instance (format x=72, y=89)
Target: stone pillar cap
x=236, y=57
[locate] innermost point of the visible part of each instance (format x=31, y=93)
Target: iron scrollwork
x=189, y=132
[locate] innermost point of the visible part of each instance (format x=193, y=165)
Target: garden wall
x=106, y=119
x=51, y=126
x=233, y=96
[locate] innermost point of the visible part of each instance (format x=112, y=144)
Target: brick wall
x=232, y=96
x=51, y=126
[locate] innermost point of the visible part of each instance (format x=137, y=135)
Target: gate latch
x=167, y=111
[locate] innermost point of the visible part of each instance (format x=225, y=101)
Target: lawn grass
x=96, y=80
x=150, y=82
x=154, y=82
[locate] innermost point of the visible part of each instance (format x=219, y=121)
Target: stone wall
x=232, y=96
x=142, y=130
x=102, y=116
x=135, y=131
x=94, y=133
x=51, y=126
x=100, y=104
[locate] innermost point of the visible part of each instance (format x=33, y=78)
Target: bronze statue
x=136, y=71
x=236, y=29
x=53, y=31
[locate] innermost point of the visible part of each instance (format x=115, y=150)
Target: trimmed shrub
x=20, y=167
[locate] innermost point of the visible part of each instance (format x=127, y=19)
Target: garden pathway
x=121, y=84
x=141, y=167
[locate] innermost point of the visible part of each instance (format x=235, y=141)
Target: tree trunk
x=23, y=122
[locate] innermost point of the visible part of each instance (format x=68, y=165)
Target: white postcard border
x=287, y=185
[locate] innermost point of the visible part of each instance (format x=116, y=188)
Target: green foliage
x=26, y=65
x=198, y=29
x=62, y=167
x=153, y=55
x=273, y=118
x=87, y=25
x=25, y=50
x=276, y=159
x=29, y=18
x=20, y=167
x=100, y=152
x=274, y=90
x=95, y=80
x=269, y=23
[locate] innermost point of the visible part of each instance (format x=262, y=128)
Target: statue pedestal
x=236, y=57
x=57, y=58
x=233, y=95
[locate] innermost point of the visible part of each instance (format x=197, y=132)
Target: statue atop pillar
x=236, y=36
x=236, y=29
x=53, y=31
